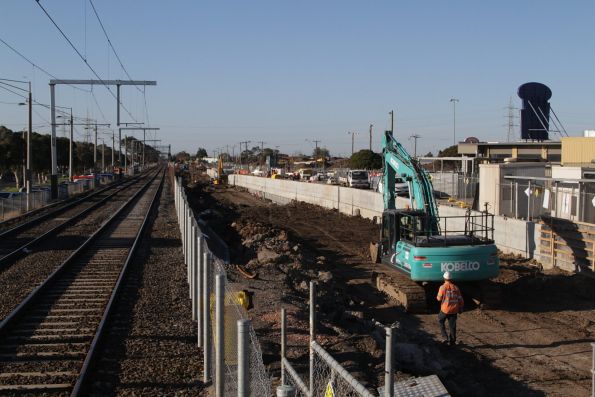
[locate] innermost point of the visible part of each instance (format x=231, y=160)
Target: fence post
x=243, y=359
x=530, y=198
x=283, y=344
x=198, y=289
x=193, y=270
x=389, y=383
x=219, y=336
x=206, y=319
x=593, y=372
x=312, y=333
x=516, y=200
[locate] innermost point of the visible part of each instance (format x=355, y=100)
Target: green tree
x=201, y=153
x=320, y=152
x=11, y=152
x=366, y=159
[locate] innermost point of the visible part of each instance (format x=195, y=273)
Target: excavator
x=417, y=245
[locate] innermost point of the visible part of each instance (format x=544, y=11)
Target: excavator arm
x=397, y=162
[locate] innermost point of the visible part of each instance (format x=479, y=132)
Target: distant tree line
x=13, y=149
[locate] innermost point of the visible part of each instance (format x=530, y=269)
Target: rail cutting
x=47, y=343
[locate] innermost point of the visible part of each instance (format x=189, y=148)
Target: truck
x=417, y=245
x=355, y=178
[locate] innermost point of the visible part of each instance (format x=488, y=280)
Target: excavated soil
x=536, y=344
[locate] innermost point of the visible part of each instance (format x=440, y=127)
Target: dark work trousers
x=452, y=326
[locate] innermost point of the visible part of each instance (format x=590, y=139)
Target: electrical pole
x=71, y=147
x=454, y=120
x=392, y=122
x=511, y=117
x=95, y=149
x=371, y=125
x=415, y=138
x=352, y=141
x=29, y=131
x=246, y=143
x=113, y=148
x=261, y=150
x=102, y=155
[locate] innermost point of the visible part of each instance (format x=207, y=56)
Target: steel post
x=389, y=383
x=206, y=316
x=312, y=333
x=593, y=371
x=219, y=336
x=243, y=359
x=198, y=292
x=285, y=391
x=283, y=344
x=193, y=270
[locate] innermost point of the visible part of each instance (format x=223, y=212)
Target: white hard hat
x=446, y=275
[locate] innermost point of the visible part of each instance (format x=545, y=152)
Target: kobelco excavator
x=417, y=245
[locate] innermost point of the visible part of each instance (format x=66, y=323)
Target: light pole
x=454, y=120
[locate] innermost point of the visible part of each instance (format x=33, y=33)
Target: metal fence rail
x=327, y=377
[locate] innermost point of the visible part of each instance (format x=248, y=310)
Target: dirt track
x=537, y=344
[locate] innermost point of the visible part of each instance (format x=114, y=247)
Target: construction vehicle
x=221, y=178
x=417, y=245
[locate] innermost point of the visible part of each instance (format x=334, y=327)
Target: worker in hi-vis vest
x=451, y=304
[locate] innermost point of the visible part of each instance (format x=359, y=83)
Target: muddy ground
x=537, y=343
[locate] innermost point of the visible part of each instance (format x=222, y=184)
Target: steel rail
x=120, y=222
x=35, y=293
x=4, y=260
x=32, y=222
x=56, y=211
x=78, y=387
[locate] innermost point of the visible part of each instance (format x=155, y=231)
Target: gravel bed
x=20, y=278
x=152, y=339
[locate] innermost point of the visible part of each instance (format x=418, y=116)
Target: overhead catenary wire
x=110, y=43
x=35, y=65
x=83, y=58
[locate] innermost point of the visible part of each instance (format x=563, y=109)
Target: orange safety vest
x=451, y=298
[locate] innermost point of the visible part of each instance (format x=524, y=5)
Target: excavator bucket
x=375, y=252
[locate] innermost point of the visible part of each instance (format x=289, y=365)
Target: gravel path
x=151, y=348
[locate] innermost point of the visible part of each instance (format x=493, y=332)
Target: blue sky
x=286, y=71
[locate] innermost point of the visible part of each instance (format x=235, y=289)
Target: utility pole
x=261, y=150
x=352, y=141
x=95, y=149
x=415, y=138
x=71, y=147
x=392, y=122
x=454, y=120
x=102, y=155
x=511, y=117
x=246, y=143
x=113, y=148
x=371, y=125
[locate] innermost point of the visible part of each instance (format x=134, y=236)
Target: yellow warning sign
x=330, y=391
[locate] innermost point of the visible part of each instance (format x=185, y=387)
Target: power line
x=110, y=43
x=84, y=59
x=35, y=65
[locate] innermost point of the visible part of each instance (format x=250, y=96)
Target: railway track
x=20, y=239
x=47, y=343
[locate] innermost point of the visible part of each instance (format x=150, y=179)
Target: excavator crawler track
x=398, y=286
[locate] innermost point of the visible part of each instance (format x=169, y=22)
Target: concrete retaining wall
x=511, y=235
